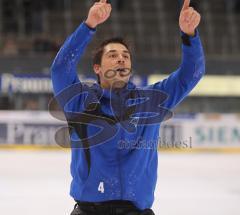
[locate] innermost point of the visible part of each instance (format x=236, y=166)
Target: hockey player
x=108, y=179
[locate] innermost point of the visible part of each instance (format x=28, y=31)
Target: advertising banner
x=203, y=130
x=38, y=83
x=28, y=127
x=182, y=131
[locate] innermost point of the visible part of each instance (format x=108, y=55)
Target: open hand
x=98, y=13
x=189, y=19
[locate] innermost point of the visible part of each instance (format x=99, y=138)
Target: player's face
x=116, y=65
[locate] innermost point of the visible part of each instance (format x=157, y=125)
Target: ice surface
x=37, y=182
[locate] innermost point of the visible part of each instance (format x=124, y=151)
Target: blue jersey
x=112, y=167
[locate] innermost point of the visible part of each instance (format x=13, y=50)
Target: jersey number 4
x=101, y=187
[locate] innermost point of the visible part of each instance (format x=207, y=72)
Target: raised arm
x=184, y=79
x=64, y=67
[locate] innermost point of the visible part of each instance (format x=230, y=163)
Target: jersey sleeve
x=64, y=67
x=179, y=84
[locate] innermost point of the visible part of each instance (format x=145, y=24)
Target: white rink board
x=203, y=130
x=193, y=130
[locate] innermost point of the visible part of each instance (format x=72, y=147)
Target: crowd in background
x=33, y=11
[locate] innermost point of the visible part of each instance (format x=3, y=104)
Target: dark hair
x=98, y=52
